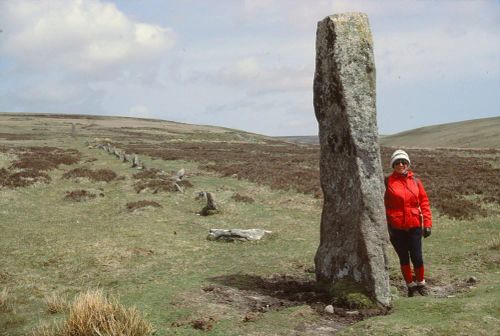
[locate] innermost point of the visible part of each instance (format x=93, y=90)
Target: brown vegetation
x=45, y=158
x=204, y=324
x=156, y=185
x=105, y=175
x=156, y=180
x=22, y=178
x=32, y=163
x=131, y=206
x=93, y=314
x=242, y=198
x=14, y=137
x=184, y=184
x=449, y=176
x=79, y=195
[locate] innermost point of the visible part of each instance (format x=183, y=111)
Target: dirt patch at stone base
x=438, y=288
x=253, y=296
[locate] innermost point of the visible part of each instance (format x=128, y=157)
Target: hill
x=477, y=133
x=304, y=139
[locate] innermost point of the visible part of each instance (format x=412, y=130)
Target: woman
x=408, y=218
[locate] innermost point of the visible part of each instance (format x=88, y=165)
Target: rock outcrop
x=352, y=250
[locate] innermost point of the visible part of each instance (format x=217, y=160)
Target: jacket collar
x=399, y=176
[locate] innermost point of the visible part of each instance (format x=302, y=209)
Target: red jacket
x=404, y=195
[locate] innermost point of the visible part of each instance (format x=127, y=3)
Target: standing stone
x=353, y=240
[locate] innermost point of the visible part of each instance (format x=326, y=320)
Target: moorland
x=76, y=221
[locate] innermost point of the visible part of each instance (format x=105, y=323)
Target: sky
x=244, y=64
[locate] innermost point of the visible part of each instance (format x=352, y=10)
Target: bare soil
x=438, y=288
x=237, y=197
x=253, y=296
x=79, y=195
x=132, y=206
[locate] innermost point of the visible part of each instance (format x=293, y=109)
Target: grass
x=159, y=260
x=453, y=253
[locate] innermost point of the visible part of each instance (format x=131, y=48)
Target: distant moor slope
x=478, y=133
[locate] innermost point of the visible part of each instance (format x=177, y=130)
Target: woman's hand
x=427, y=232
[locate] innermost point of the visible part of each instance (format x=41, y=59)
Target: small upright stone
x=180, y=174
x=353, y=239
x=211, y=207
x=135, y=161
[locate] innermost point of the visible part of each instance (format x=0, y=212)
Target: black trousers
x=408, y=245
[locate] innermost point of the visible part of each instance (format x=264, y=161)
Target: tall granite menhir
x=353, y=241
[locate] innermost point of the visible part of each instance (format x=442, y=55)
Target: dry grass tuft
x=92, y=314
x=494, y=244
x=56, y=304
x=5, y=301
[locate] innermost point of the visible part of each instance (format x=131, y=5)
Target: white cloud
x=52, y=95
x=414, y=40
x=88, y=37
x=425, y=55
x=49, y=92
x=256, y=79
x=255, y=7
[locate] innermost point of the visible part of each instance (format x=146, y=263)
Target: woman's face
x=400, y=166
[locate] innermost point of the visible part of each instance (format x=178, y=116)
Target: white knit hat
x=400, y=154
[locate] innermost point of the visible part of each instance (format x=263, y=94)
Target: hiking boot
x=422, y=290
x=411, y=291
